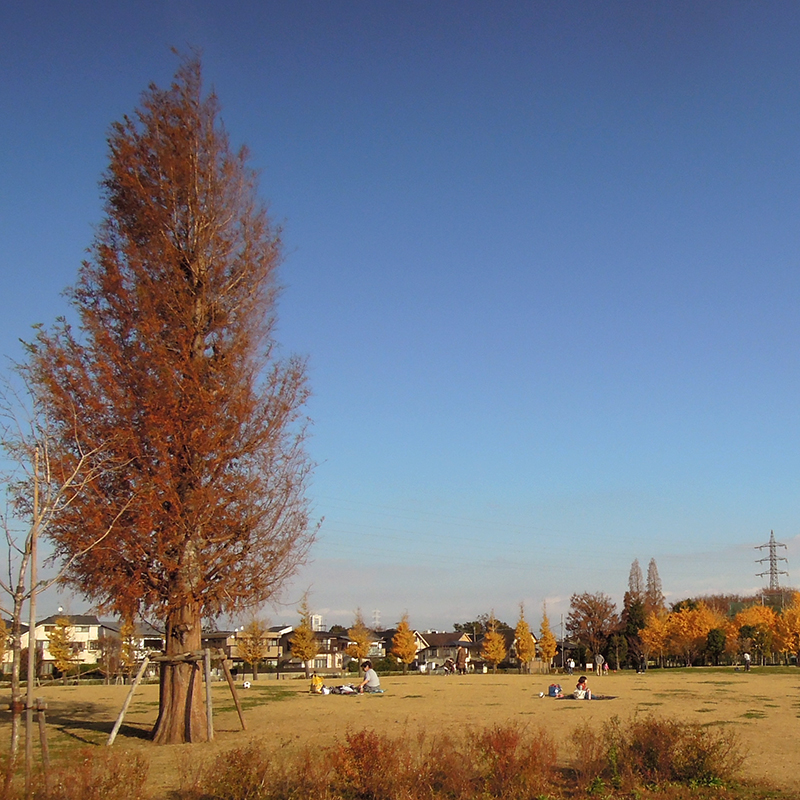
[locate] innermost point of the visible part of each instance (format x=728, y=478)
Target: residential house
x=227, y=643
x=435, y=648
x=85, y=633
x=331, y=657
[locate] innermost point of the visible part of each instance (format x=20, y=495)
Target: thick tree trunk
x=181, y=713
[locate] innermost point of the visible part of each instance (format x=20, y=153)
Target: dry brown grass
x=762, y=707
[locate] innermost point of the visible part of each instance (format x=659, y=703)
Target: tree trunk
x=181, y=713
x=16, y=701
x=17, y=704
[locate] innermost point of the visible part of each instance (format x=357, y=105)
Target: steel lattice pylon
x=773, y=559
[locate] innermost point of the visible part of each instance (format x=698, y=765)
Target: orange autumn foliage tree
x=547, y=644
x=789, y=628
x=360, y=639
x=493, y=647
x=654, y=636
x=304, y=643
x=762, y=623
x=524, y=642
x=404, y=643
x=175, y=368
x=687, y=631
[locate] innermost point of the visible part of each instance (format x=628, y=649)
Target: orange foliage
x=788, y=633
x=654, y=634
x=493, y=648
x=687, y=630
x=174, y=374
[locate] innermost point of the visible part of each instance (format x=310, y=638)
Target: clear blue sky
x=543, y=258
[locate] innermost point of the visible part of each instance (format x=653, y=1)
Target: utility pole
x=773, y=559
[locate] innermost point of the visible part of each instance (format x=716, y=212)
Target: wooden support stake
x=209, y=709
x=41, y=707
x=128, y=699
x=229, y=678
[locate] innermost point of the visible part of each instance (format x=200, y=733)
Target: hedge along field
x=762, y=707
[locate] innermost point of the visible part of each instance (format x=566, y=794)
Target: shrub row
x=505, y=762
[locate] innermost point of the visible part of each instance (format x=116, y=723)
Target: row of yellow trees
x=493, y=647
x=404, y=643
x=526, y=647
x=696, y=630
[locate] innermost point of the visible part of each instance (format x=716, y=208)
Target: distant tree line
x=694, y=631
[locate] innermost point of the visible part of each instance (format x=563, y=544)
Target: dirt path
x=762, y=707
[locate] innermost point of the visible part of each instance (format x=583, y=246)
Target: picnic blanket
x=583, y=699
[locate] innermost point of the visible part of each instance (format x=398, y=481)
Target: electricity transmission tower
x=773, y=560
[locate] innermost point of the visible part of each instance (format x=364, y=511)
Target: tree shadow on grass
x=79, y=720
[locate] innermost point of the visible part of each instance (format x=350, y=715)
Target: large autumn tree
x=175, y=366
x=592, y=620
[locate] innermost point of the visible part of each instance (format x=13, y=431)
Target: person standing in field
x=598, y=664
x=461, y=660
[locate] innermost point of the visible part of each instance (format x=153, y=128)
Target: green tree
x=478, y=627
x=524, y=642
x=715, y=644
x=633, y=621
x=404, y=643
x=304, y=641
x=493, y=647
x=618, y=649
x=177, y=373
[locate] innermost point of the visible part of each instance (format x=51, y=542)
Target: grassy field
x=762, y=706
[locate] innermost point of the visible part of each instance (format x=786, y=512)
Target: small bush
x=513, y=762
x=240, y=774
x=648, y=751
x=371, y=766
x=96, y=776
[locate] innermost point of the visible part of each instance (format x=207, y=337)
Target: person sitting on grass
x=582, y=691
x=371, y=683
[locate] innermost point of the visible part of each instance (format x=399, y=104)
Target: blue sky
x=543, y=259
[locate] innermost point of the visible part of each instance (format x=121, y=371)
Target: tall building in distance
x=317, y=623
